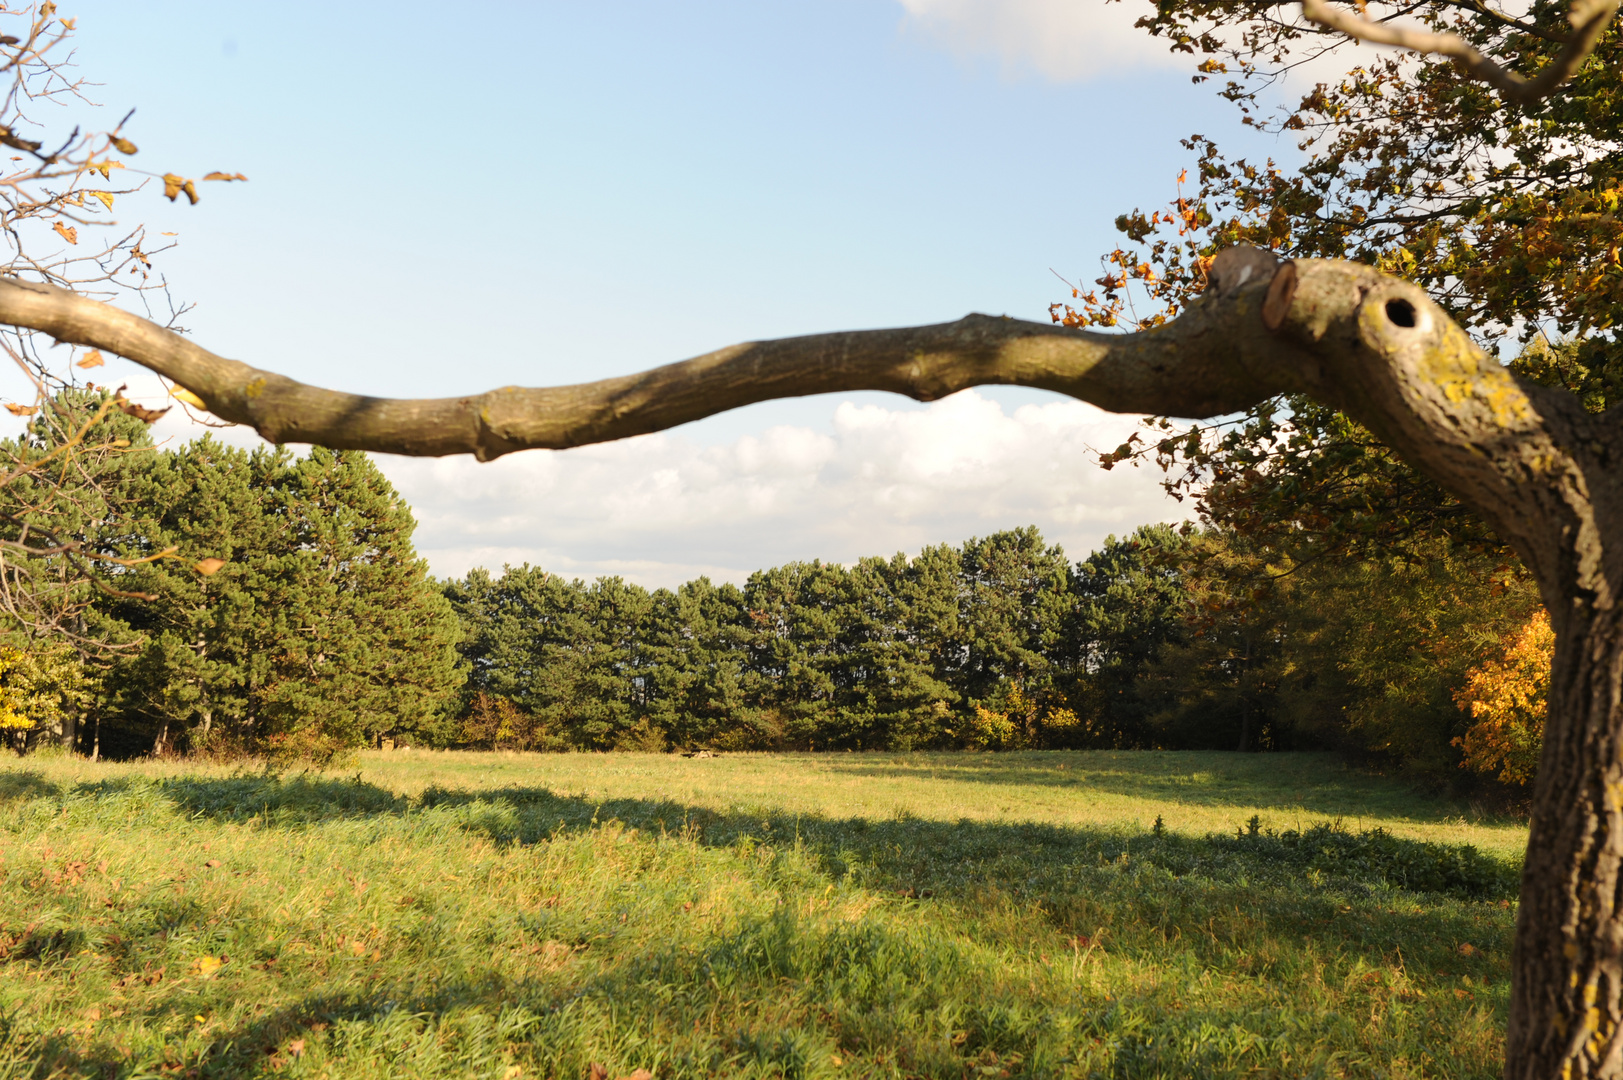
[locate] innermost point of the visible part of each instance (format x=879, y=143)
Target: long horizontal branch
x=1590, y=18
x=1201, y=364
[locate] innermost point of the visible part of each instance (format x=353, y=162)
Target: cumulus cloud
x=662, y=508
x=1062, y=40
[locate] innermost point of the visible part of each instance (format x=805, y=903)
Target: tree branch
x=1202, y=365
x=1589, y=18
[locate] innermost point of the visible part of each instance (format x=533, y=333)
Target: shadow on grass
x=903, y=851
x=1206, y=778
x=17, y=785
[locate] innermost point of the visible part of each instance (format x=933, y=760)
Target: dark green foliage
x=321, y=630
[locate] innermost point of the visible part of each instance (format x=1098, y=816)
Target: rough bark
x=1531, y=460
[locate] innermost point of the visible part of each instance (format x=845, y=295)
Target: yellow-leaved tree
x=1507, y=697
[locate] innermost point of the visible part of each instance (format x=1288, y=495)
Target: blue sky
x=445, y=198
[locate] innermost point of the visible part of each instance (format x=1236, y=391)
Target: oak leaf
x=67, y=232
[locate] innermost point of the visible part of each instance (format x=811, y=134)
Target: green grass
x=491, y=915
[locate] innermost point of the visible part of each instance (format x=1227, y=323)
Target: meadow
x=425, y=914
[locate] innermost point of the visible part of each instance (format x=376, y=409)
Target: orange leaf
x=172, y=185
x=208, y=566
x=21, y=410
x=90, y=359
x=67, y=232
x=224, y=176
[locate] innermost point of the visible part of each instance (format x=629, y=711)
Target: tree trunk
x=1567, y=979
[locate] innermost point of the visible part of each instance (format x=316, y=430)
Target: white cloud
x=661, y=509
x=1062, y=40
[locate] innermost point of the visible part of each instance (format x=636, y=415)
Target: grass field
x=504, y=916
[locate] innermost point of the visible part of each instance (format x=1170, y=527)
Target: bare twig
x=1589, y=18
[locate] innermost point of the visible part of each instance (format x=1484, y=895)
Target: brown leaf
x=296, y=1047
x=21, y=410
x=90, y=359
x=212, y=863
x=66, y=232
x=594, y=1071
x=123, y=145
x=172, y=185
x=141, y=413
x=191, y=192
x=224, y=176
x=208, y=566
x=640, y=1074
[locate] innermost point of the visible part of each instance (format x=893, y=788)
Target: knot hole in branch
x=1401, y=313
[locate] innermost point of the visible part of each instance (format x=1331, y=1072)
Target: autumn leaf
x=141, y=413
x=224, y=176
x=172, y=185
x=640, y=1074
x=21, y=410
x=180, y=393
x=105, y=196
x=207, y=965
x=208, y=566
x=67, y=232
x=90, y=359
x=296, y=1047
x=123, y=145
x=105, y=168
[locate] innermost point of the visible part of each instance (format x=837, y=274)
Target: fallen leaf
x=296, y=1047
x=105, y=196
x=180, y=393
x=1467, y=949
x=513, y=1071
x=208, y=965
x=640, y=1074
x=212, y=863
x=208, y=566
x=594, y=1071
x=21, y=410
x=93, y=1014
x=224, y=176
x=66, y=232
x=90, y=359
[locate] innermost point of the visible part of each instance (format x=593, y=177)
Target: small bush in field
x=495, y=723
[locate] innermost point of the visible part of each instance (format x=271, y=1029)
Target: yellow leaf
x=208, y=566
x=169, y=234
x=90, y=359
x=105, y=196
x=105, y=168
x=180, y=393
x=191, y=192
x=208, y=965
x=123, y=145
x=172, y=185
x=67, y=232
x=21, y=410
x=224, y=176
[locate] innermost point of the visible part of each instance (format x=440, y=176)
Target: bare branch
x=1198, y=366
x=1589, y=18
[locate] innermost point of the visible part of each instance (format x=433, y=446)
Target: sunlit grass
x=853, y=915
